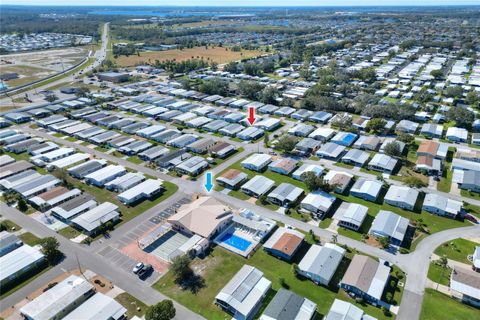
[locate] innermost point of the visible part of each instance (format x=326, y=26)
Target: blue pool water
x=235, y=241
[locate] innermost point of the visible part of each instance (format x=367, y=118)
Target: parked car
x=471, y=218
x=145, y=271
x=138, y=267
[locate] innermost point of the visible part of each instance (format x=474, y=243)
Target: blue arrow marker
x=208, y=182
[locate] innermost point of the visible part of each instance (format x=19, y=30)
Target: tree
x=22, y=205
x=375, y=125
x=437, y=73
x=268, y=95
x=463, y=117
x=286, y=143
x=250, y=89
x=231, y=67
x=315, y=182
x=214, y=86
x=472, y=98
x=453, y=92
x=414, y=182
x=83, y=91
x=383, y=242
x=295, y=270
x=393, y=149
x=405, y=137
x=51, y=98
x=334, y=238
x=164, y=310
x=266, y=139
x=50, y=247
x=180, y=267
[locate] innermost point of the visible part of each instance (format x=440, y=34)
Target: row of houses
x=73, y=298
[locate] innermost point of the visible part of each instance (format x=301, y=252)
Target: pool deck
x=235, y=230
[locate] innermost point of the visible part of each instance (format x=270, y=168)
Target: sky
x=242, y=2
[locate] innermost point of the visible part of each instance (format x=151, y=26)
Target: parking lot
x=125, y=253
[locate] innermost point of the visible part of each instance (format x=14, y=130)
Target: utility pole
x=80, y=267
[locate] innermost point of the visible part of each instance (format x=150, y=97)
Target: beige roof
x=202, y=216
x=360, y=272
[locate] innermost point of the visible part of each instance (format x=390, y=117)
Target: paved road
x=415, y=264
x=87, y=259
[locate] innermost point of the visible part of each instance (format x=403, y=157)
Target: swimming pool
x=235, y=241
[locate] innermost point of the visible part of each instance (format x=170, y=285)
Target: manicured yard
x=69, y=232
x=438, y=274
x=101, y=149
x=135, y=159
x=469, y=194
x=71, y=139
x=457, y=249
x=29, y=238
x=343, y=165
x=445, y=182
x=433, y=223
x=10, y=225
x=131, y=304
x=438, y=306
x=222, y=262
x=127, y=212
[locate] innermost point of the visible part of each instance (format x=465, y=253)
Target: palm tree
x=334, y=238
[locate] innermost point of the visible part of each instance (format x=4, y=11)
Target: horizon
x=244, y=4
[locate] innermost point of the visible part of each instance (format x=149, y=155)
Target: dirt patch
x=31, y=66
x=217, y=54
x=373, y=242
x=201, y=266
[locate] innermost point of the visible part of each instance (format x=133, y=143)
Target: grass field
x=131, y=304
x=217, y=54
x=457, y=249
x=222, y=262
x=10, y=225
x=438, y=274
x=29, y=238
x=438, y=306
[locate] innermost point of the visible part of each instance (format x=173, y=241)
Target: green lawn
x=135, y=159
x=58, y=135
x=433, y=222
x=69, y=232
x=445, y=182
x=71, y=139
x=343, y=165
x=222, y=262
x=438, y=274
x=29, y=238
x=438, y=306
x=101, y=149
x=127, y=212
x=131, y=304
x=325, y=223
x=10, y=225
x=457, y=249
x=469, y=194
x=357, y=235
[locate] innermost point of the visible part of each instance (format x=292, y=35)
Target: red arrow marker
x=251, y=115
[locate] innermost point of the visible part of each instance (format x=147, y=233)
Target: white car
x=139, y=266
